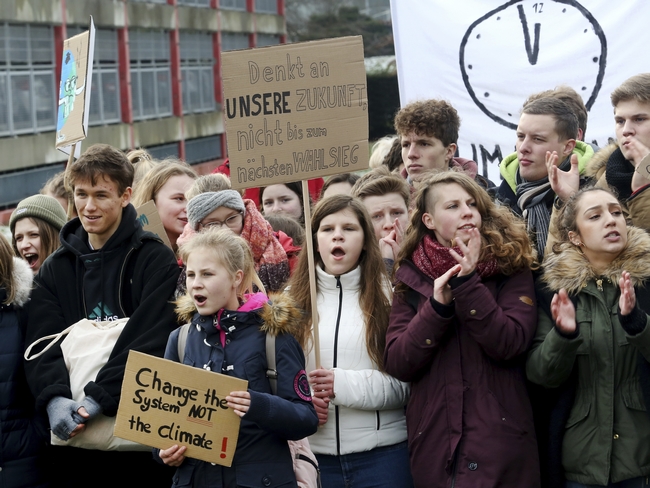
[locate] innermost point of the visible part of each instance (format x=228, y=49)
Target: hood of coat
x=570, y=269
x=596, y=166
x=510, y=164
x=21, y=278
x=279, y=314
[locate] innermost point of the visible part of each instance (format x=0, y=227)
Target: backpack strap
x=182, y=340
x=271, y=370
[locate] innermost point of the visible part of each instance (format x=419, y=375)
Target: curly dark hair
x=431, y=118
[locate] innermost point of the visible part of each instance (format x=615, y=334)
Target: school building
x=156, y=78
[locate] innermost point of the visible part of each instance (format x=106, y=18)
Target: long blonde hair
x=156, y=178
x=233, y=253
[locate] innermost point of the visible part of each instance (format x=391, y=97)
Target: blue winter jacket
x=262, y=456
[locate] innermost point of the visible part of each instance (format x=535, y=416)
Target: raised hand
x=563, y=183
x=441, y=289
x=627, y=301
x=563, y=312
x=471, y=253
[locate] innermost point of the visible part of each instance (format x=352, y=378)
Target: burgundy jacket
x=469, y=419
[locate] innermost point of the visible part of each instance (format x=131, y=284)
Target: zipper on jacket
x=378, y=422
x=119, y=289
x=334, y=361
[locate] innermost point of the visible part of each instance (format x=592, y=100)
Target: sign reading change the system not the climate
x=295, y=111
x=165, y=403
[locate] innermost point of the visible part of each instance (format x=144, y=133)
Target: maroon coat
x=467, y=381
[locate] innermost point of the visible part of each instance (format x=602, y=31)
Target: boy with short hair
x=546, y=126
x=616, y=165
x=107, y=268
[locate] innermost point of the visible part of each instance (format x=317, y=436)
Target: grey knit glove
x=63, y=416
x=92, y=407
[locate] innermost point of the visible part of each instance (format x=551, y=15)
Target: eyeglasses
x=231, y=222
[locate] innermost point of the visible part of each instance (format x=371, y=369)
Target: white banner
x=487, y=56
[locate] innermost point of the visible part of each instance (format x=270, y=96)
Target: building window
x=232, y=4
x=195, y=3
x=267, y=40
x=105, y=92
x=234, y=40
x=27, y=84
x=203, y=149
x=164, y=151
x=266, y=6
x=150, y=74
x=149, y=1
x=197, y=62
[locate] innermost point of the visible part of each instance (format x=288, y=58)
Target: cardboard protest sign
x=150, y=220
x=165, y=403
x=74, y=90
x=295, y=111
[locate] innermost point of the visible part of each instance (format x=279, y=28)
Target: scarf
x=270, y=258
x=434, y=260
x=534, y=198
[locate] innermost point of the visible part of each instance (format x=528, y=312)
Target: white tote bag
x=86, y=350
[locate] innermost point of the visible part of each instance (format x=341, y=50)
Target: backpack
x=305, y=466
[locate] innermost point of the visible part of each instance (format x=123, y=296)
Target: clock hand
x=532, y=53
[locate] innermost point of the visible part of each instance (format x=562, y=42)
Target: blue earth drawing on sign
x=68, y=90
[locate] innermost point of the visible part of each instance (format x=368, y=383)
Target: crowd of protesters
x=470, y=334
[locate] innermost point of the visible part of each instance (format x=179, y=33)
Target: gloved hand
x=63, y=416
x=92, y=407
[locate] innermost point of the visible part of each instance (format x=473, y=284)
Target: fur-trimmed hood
x=597, y=164
x=21, y=278
x=279, y=315
x=570, y=269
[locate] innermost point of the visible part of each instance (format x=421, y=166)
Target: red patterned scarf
x=271, y=261
x=434, y=260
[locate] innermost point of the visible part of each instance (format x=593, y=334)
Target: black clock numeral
x=538, y=7
x=531, y=51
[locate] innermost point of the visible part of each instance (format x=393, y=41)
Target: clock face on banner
x=524, y=47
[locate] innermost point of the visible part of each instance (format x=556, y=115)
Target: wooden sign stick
x=312, y=269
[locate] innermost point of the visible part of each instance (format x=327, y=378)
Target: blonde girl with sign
x=228, y=335
x=361, y=441
x=462, y=320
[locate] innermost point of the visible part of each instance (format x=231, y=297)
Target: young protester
x=228, y=331
x=107, y=268
x=227, y=209
x=166, y=185
x=386, y=197
x=380, y=150
x=463, y=316
x=142, y=162
x=546, y=125
x=593, y=346
x=35, y=226
x=340, y=184
x=616, y=165
x=283, y=198
x=314, y=185
x=55, y=187
x=361, y=441
x=291, y=236
x=428, y=131
x=22, y=436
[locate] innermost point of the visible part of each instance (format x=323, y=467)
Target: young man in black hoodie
x=107, y=268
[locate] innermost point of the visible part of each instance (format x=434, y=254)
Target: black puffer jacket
x=21, y=434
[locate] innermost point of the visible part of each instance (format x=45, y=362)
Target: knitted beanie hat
x=204, y=204
x=41, y=207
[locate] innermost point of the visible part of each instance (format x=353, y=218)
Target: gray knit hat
x=41, y=207
x=204, y=204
